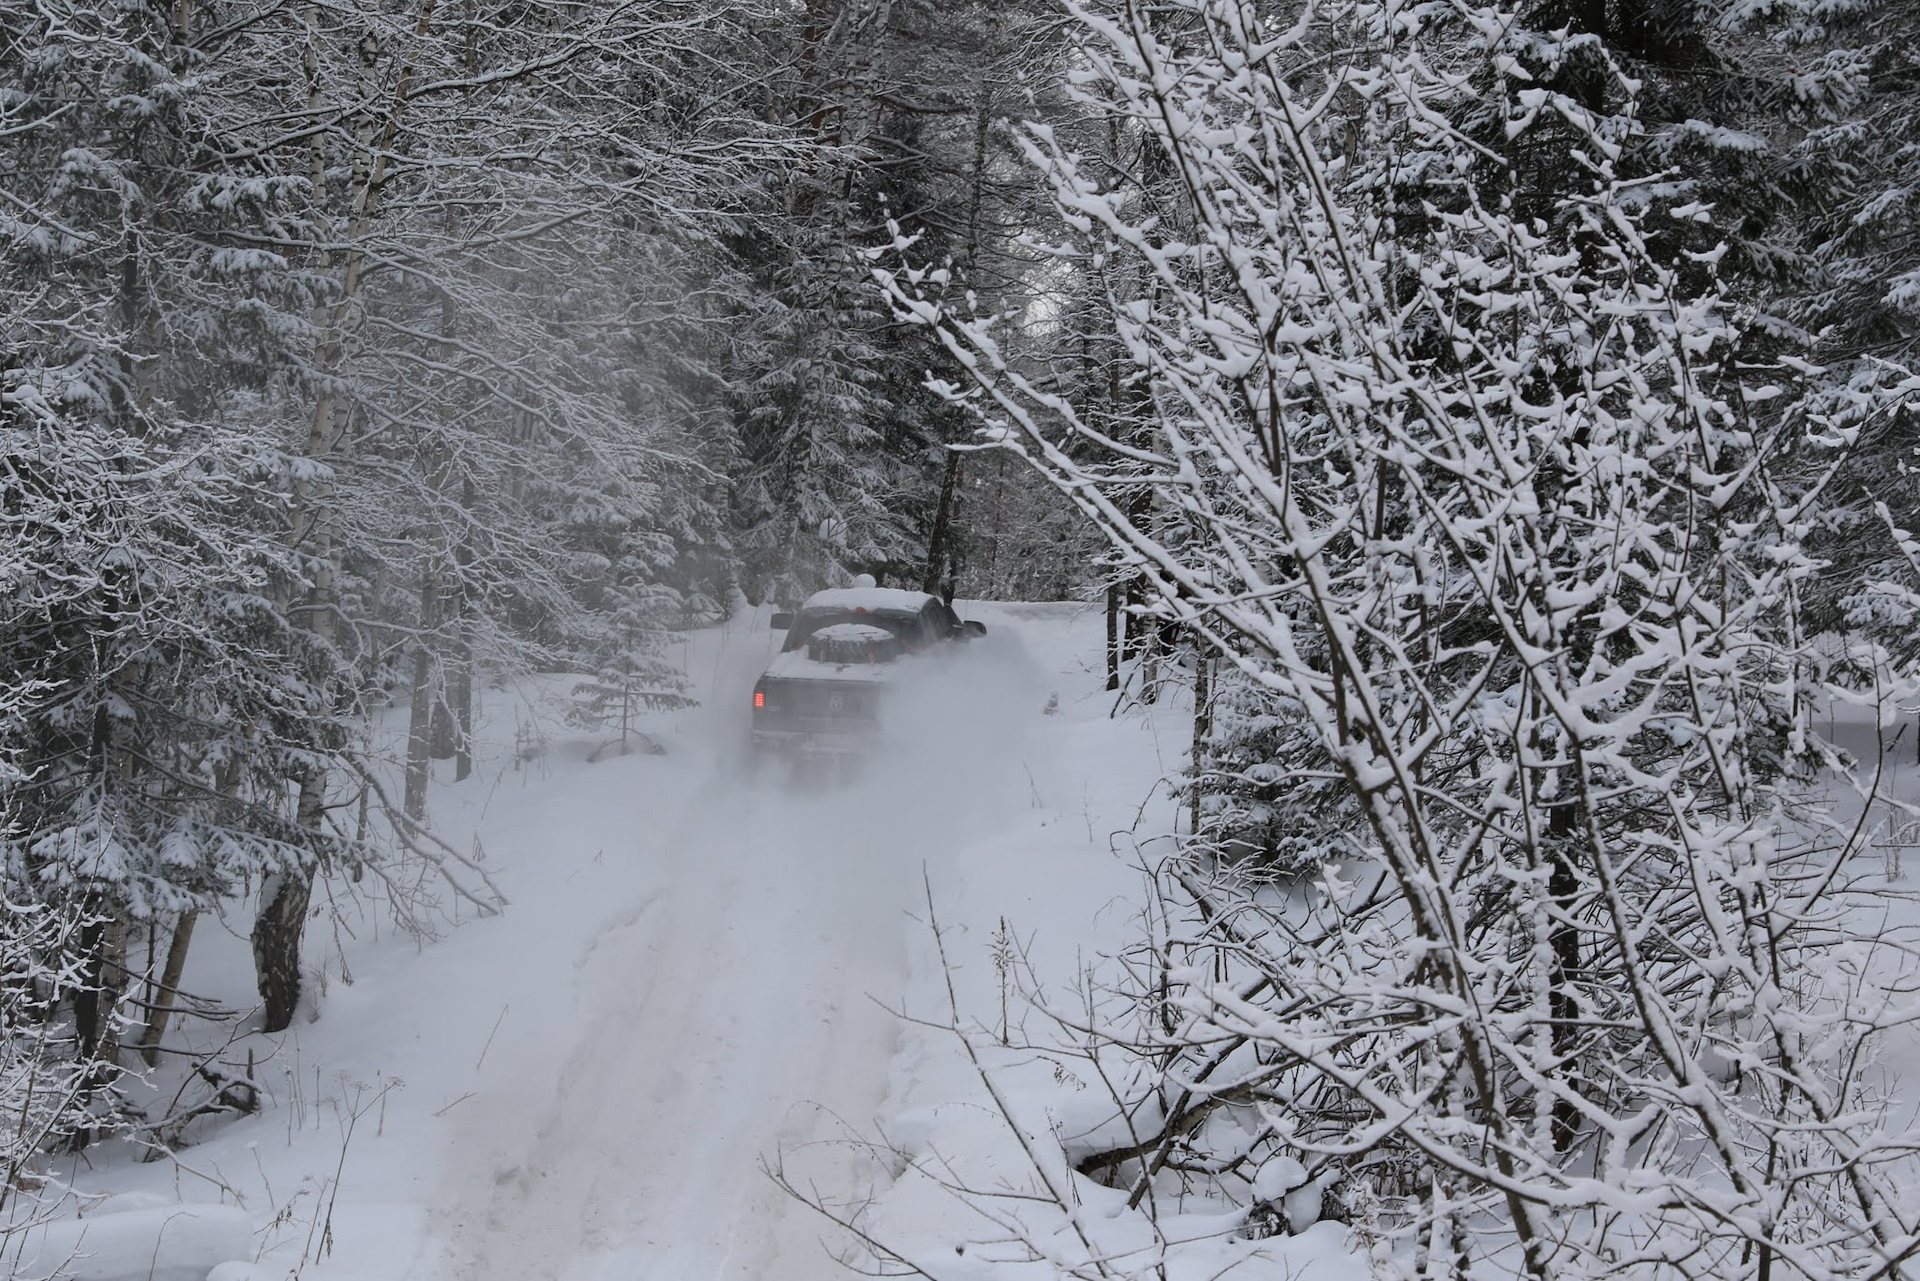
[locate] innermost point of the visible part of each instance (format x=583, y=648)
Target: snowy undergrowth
x=1017, y=1067
x=696, y=976
x=997, y=1091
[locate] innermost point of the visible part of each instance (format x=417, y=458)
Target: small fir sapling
x=58, y=1083
x=1269, y=799
x=632, y=675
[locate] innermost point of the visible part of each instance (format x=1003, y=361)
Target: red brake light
x=759, y=699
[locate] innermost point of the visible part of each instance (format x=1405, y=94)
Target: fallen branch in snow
x=1039, y=1221
x=355, y=1109
x=812, y=1198
x=231, y=1094
x=421, y=842
x=1056, y=1183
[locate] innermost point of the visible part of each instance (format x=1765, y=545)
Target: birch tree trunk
x=281, y=925
x=460, y=666
x=420, y=714
x=168, y=988
x=449, y=594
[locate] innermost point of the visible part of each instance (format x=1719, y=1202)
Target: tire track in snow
x=725, y=1014
x=729, y=1015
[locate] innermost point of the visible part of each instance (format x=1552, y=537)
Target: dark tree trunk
x=1113, y=636
x=1134, y=639
x=445, y=739
x=942, y=534
x=282, y=923
x=103, y=982
x=1150, y=665
x=460, y=702
x=1563, y=937
x=460, y=677
x=104, y=947
x=277, y=934
x=1202, y=725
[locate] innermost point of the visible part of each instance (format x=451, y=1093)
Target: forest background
x=354, y=353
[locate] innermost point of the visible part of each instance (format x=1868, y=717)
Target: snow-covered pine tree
x=1268, y=800
x=1780, y=133
x=504, y=348
x=820, y=495
x=842, y=463
x=188, y=290
x=1853, y=69
x=1720, y=133
x=50, y=1091
x=1849, y=75
x=157, y=700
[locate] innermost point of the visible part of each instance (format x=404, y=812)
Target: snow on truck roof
x=878, y=600
x=854, y=634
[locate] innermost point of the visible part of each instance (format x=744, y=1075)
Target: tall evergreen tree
x=157, y=696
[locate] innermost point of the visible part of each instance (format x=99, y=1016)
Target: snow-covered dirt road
x=691, y=980
x=724, y=1012
x=695, y=976
x=725, y=994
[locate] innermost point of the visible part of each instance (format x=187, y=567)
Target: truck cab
x=823, y=691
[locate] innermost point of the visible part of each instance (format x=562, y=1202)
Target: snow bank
x=162, y=1243
x=1033, y=899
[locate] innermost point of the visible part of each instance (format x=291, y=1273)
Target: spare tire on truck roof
x=854, y=643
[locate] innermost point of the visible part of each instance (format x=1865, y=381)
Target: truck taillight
x=759, y=699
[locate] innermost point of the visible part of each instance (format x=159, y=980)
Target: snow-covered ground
x=698, y=978
x=704, y=979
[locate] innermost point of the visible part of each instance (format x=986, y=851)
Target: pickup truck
x=822, y=692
